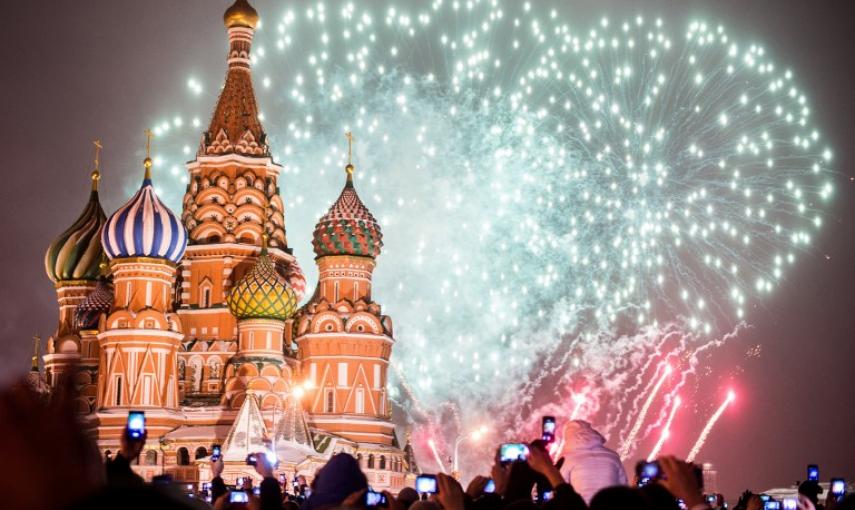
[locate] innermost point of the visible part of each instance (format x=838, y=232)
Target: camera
x=490, y=487
x=646, y=472
x=135, y=428
x=510, y=452
x=548, y=429
x=813, y=473
x=375, y=499
x=426, y=484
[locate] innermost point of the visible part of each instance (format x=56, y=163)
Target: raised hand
x=450, y=493
x=476, y=486
x=539, y=461
x=681, y=481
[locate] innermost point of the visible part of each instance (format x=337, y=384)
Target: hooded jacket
x=337, y=480
x=588, y=465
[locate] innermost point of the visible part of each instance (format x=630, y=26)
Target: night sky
x=75, y=71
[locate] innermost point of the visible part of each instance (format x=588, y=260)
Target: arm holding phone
x=564, y=497
x=270, y=492
x=133, y=439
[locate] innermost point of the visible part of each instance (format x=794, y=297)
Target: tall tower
x=344, y=340
x=72, y=264
x=261, y=301
x=137, y=366
x=232, y=199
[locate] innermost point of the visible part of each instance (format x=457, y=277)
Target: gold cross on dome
x=349, y=137
x=98, y=147
x=148, y=137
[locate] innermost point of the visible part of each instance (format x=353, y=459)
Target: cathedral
x=195, y=318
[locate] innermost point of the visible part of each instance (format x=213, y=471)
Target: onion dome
x=348, y=228
x=76, y=253
x=240, y=14
x=100, y=300
x=262, y=293
x=144, y=227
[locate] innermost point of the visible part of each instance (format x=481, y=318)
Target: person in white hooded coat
x=588, y=465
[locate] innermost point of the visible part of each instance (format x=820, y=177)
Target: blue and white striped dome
x=144, y=227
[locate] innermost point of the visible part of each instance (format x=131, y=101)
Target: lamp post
x=475, y=436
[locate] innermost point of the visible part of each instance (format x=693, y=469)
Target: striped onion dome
x=76, y=253
x=144, y=227
x=100, y=300
x=348, y=228
x=262, y=293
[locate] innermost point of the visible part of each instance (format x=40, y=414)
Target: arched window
x=206, y=298
x=183, y=457
x=382, y=462
x=359, y=459
x=201, y=452
x=371, y=461
x=151, y=458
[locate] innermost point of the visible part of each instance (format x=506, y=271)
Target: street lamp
x=475, y=436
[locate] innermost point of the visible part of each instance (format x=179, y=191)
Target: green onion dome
x=77, y=253
x=348, y=228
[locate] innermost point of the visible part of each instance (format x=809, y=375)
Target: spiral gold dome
x=240, y=14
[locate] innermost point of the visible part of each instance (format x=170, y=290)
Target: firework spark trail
x=432, y=446
x=666, y=430
x=579, y=399
x=731, y=396
x=629, y=441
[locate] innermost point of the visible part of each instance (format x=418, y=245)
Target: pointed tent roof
x=248, y=433
x=292, y=428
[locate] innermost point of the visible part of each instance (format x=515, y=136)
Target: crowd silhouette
x=50, y=462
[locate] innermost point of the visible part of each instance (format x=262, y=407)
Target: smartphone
x=238, y=497
x=790, y=504
x=216, y=452
x=426, y=484
x=838, y=486
x=251, y=459
x=712, y=499
x=510, y=452
x=813, y=473
x=136, y=424
x=548, y=429
x=490, y=487
x=239, y=481
x=546, y=496
x=375, y=499
x=765, y=497
x=772, y=505
x=649, y=470
x=272, y=458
